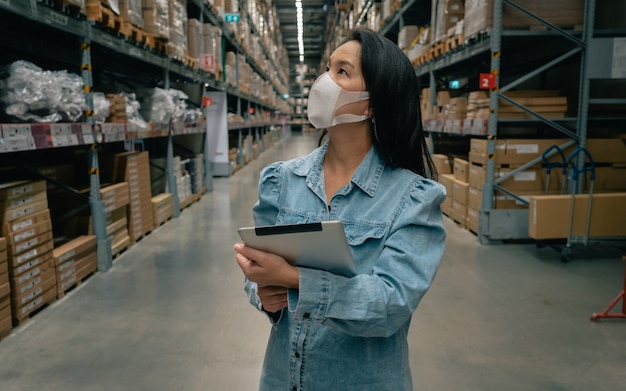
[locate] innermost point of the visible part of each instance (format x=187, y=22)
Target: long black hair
x=394, y=99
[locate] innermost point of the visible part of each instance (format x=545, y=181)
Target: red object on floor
x=606, y=313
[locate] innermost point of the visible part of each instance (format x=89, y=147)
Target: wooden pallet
x=190, y=62
x=103, y=15
x=67, y=7
x=136, y=35
x=454, y=42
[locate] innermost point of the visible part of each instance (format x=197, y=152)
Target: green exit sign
x=231, y=18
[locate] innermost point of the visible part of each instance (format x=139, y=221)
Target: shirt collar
x=366, y=177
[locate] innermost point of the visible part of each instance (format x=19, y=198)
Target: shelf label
x=487, y=81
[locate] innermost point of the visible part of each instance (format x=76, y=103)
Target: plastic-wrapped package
x=30, y=93
x=162, y=106
x=156, y=17
x=101, y=107
x=132, y=111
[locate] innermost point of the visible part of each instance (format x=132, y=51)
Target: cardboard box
x=476, y=176
x=25, y=245
x=75, y=249
x=611, y=150
x=460, y=191
x=26, y=222
x=45, y=282
x=458, y=212
x=18, y=260
x=461, y=169
x=23, y=312
x=609, y=179
x=472, y=219
x=442, y=163
x=514, y=151
x=29, y=232
x=19, y=189
x=25, y=282
x=16, y=203
x=12, y=214
x=549, y=216
x=38, y=261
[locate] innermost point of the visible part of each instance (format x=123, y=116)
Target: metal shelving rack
x=496, y=225
x=48, y=136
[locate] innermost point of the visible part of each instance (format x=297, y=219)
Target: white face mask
x=326, y=97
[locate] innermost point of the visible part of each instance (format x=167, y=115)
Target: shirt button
x=295, y=388
x=307, y=315
x=297, y=355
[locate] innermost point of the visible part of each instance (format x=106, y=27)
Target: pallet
x=120, y=247
x=190, y=62
x=454, y=42
x=104, y=16
x=160, y=44
x=67, y=7
x=136, y=35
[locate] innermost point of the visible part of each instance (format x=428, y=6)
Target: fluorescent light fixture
x=300, y=29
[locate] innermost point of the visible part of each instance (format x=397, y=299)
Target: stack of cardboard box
x=444, y=171
x=5, y=291
x=133, y=168
x=460, y=187
x=116, y=200
x=162, y=208
x=74, y=261
x=117, y=109
x=27, y=227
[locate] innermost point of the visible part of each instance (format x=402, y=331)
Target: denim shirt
x=341, y=333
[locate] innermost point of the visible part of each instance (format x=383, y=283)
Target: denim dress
x=340, y=333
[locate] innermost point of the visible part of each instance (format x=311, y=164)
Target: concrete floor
x=171, y=313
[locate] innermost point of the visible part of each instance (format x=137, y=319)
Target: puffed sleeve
x=378, y=304
x=265, y=211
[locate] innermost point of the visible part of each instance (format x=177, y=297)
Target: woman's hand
x=266, y=269
x=273, y=298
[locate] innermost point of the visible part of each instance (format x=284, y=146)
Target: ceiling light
x=300, y=29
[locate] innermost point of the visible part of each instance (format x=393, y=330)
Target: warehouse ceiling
x=314, y=14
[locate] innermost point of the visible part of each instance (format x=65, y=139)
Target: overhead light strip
x=300, y=29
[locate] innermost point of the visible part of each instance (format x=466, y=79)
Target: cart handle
x=550, y=165
x=591, y=168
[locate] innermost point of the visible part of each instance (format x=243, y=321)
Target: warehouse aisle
x=172, y=315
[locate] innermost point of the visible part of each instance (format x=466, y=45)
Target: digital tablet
x=320, y=245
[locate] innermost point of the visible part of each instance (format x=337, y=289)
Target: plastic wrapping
x=30, y=93
x=162, y=106
x=156, y=17
x=132, y=111
x=101, y=106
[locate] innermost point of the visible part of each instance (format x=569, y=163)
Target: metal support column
x=104, y=254
x=169, y=171
x=583, y=93
x=492, y=128
x=208, y=165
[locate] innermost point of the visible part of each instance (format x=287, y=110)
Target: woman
x=332, y=332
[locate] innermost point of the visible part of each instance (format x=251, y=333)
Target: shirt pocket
x=358, y=233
